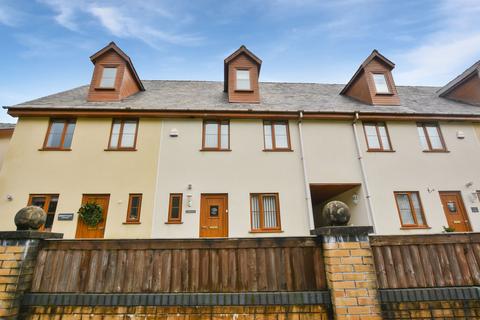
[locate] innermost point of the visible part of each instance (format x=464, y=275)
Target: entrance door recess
x=214, y=215
x=455, y=211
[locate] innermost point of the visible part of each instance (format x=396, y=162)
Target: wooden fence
x=164, y=266
x=421, y=261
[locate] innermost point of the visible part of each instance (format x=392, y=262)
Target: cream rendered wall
x=85, y=169
x=411, y=169
x=4, y=143
x=244, y=170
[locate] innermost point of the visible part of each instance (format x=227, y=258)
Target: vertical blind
x=264, y=211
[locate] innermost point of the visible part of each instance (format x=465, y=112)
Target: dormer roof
x=374, y=55
x=473, y=71
x=114, y=47
x=230, y=58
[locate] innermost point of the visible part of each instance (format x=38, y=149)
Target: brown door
x=84, y=231
x=214, y=215
x=455, y=211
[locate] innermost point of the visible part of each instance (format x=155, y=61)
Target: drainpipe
x=371, y=216
x=308, y=196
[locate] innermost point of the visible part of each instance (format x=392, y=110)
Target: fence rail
x=421, y=261
x=163, y=266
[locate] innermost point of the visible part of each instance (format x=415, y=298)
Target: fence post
x=18, y=254
x=350, y=272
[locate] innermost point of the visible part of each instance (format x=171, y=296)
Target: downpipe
x=308, y=196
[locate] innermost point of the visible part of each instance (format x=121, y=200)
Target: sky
x=46, y=44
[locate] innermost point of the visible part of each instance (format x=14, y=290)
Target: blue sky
x=46, y=44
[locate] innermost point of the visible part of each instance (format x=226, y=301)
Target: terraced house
x=244, y=158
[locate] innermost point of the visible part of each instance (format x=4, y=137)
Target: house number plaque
x=190, y=211
x=65, y=217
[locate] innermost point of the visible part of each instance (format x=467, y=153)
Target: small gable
x=242, y=70
x=373, y=82
x=464, y=88
x=114, y=77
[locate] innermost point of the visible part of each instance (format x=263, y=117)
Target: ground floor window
x=134, y=206
x=175, y=208
x=410, y=209
x=265, y=212
x=48, y=202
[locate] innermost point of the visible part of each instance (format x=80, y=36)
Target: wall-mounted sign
x=65, y=217
x=190, y=211
x=474, y=209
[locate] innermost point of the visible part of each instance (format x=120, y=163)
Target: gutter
x=308, y=197
x=371, y=216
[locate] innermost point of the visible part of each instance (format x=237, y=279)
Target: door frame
x=462, y=203
x=226, y=212
x=84, y=195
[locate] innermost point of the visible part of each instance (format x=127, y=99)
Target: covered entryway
x=322, y=193
x=454, y=210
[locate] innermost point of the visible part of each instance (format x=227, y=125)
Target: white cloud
x=446, y=52
x=124, y=19
x=8, y=16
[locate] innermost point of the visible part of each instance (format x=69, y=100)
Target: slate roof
x=277, y=97
x=7, y=126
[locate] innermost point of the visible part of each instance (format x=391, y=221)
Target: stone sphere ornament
x=336, y=213
x=30, y=218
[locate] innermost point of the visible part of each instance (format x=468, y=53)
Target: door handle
x=457, y=221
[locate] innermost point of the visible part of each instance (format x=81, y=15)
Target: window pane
x=67, y=142
x=423, y=140
x=281, y=138
x=418, y=208
x=434, y=136
x=267, y=131
x=211, y=135
x=224, y=136
x=384, y=136
x=269, y=212
x=38, y=202
x=108, y=77
x=52, y=206
x=115, y=135
x=243, y=80
x=372, y=138
x=175, y=207
x=55, y=134
x=128, y=135
x=380, y=83
x=255, y=212
x=405, y=210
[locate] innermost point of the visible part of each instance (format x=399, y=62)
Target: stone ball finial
x=30, y=218
x=336, y=213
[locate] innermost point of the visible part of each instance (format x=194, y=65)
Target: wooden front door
x=84, y=231
x=455, y=211
x=214, y=215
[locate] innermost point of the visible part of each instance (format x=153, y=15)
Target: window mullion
x=378, y=136
x=260, y=207
x=412, y=208
x=272, y=128
x=120, y=134
x=219, y=134
x=64, y=131
x=427, y=137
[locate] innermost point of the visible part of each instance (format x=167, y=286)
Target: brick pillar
x=18, y=253
x=350, y=272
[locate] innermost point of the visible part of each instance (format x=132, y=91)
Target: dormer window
x=243, y=80
x=109, y=75
x=381, y=85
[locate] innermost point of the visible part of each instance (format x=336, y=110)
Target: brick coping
x=429, y=294
x=29, y=234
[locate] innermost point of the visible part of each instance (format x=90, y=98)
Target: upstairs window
x=216, y=135
x=410, y=209
x=59, y=134
x=276, y=135
x=381, y=85
x=265, y=212
x=123, y=135
x=377, y=136
x=109, y=74
x=48, y=202
x=431, y=138
x=175, y=208
x=243, y=80
x=134, y=207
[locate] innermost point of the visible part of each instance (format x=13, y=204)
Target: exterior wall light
x=173, y=133
x=355, y=199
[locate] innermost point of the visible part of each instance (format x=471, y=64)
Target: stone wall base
x=466, y=309
x=316, y=312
